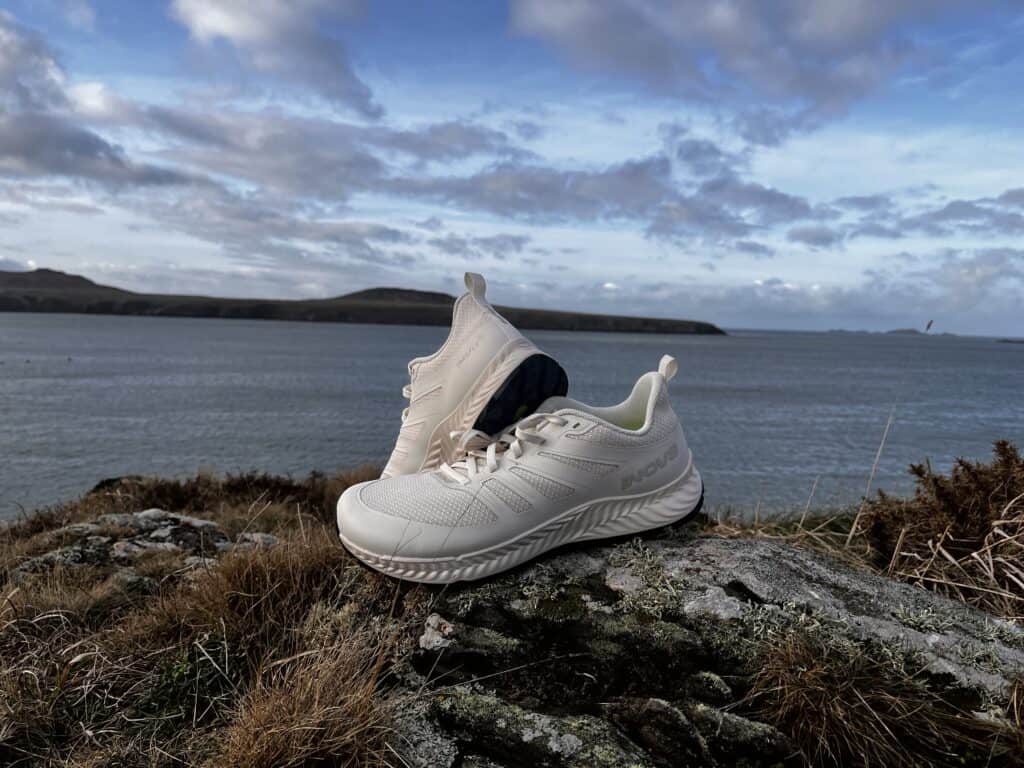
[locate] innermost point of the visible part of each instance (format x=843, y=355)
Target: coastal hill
x=47, y=290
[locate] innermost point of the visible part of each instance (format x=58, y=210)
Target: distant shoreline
x=52, y=292
x=395, y=324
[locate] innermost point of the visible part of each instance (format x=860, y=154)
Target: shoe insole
x=536, y=379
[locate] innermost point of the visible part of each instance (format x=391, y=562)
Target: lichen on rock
x=642, y=653
x=122, y=541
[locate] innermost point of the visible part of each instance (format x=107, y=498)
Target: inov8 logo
x=642, y=474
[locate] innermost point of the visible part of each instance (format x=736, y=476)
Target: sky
x=791, y=164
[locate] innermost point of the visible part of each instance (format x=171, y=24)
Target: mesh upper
x=507, y=495
x=598, y=468
x=423, y=408
x=467, y=315
x=425, y=499
x=545, y=486
x=477, y=514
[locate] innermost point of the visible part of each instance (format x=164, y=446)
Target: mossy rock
x=646, y=652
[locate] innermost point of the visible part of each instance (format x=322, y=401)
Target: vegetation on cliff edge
x=228, y=653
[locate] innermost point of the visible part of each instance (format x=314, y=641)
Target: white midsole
x=598, y=519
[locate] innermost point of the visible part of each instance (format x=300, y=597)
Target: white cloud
x=285, y=39
x=95, y=100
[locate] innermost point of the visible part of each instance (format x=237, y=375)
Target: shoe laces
x=479, y=452
x=407, y=394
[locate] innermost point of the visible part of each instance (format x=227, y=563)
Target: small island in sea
x=47, y=290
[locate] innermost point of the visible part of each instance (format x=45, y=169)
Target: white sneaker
x=485, y=376
x=569, y=472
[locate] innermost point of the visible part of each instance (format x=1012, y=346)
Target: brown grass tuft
x=207, y=493
x=1015, y=715
x=961, y=534
x=1015, y=706
x=236, y=502
x=820, y=533
x=84, y=596
x=322, y=708
x=847, y=704
x=189, y=748
x=100, y=668
x=252, y=598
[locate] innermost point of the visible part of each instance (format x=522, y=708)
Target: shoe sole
x=601, y=519
x=517, y=380
x=533, y=381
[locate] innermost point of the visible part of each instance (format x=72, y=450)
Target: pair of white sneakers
x=494, y=465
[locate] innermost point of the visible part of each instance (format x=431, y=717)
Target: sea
x=778, y=421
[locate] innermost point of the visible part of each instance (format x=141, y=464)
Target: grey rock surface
x=122, y=541
x=522, y=736
x=640, y=653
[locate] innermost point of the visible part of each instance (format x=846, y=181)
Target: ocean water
x=769, y=415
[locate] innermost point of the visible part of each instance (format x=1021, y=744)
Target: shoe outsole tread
x=535, y=379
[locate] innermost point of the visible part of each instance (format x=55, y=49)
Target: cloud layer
x=302, y=184
x=801, y=61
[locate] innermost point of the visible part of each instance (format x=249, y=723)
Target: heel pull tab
x=476, y=285
x=668, y=367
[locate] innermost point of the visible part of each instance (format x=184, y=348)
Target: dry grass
x=821, y=533
x=253, y=599
x=1015, y=707
x=1015, y=715
x=961, y=535
x=236, y=502
x=82, y=599
x=847, y=704
x=280, y=656
x=98, y=670
x=191, y=748
x=322, y=708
